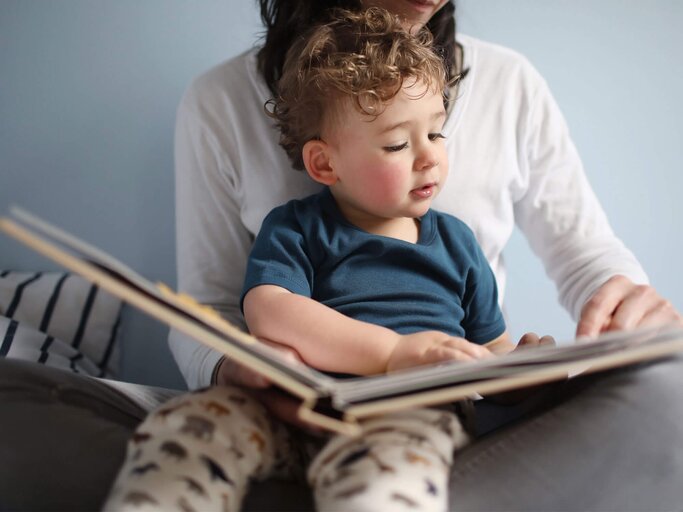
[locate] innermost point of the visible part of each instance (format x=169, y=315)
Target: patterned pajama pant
x=199, y=451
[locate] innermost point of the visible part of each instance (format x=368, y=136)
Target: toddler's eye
x=435, y=136
x=394, y=149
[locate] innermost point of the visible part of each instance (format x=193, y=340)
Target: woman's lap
x=62, y=437
x=610, y=442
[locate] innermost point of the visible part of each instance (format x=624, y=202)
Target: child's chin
x=421, y=210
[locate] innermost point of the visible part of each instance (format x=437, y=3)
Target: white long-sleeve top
x=511, y=161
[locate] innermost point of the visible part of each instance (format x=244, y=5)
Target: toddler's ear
x=316, y=157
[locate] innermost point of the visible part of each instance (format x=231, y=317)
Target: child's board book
x=330, y=403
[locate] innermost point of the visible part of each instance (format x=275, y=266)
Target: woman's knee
x=62, y=437
x=651, y=381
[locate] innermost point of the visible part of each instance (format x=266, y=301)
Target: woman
x=513, y=163
x=585, y=449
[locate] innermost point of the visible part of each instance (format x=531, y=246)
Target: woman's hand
x=280, y=404
x=230, y=372
x=531, y=340
x=429, y=347
x=620, y=304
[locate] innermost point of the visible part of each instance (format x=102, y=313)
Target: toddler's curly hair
x=363, y=56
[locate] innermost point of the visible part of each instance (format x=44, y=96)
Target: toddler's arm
x=331, y=341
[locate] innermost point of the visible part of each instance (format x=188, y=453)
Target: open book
x=338, y=404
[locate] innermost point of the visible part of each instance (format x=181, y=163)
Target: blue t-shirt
x=443, y=282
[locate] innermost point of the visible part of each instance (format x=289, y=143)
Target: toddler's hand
x=428, y=347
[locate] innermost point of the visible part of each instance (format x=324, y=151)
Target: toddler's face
x=393, y=165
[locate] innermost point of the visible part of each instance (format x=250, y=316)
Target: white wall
x=89, y=88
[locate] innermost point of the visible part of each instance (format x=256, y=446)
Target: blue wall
x=89, y=88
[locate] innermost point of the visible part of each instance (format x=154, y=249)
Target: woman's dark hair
x=286, y=19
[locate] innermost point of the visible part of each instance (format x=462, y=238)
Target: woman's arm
x=211, y=240
x=568, y=229
x=560, y=214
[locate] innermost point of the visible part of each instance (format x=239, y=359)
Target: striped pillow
x=59, y=319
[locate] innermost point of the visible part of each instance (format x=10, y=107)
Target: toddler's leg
x=400, y=462
x=198, y=452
